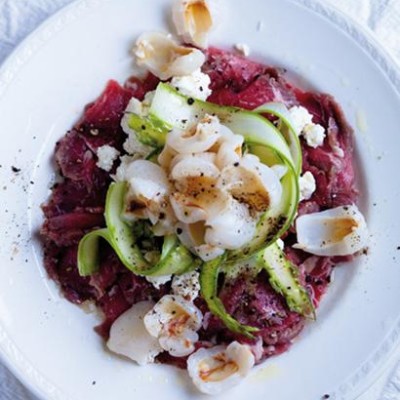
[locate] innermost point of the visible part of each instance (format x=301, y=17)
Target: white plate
x=49, y=342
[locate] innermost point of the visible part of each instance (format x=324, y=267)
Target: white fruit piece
x=232, y=227
x=207, y=252
x=175, y=322
x=166, y=156
x=148, y=191
x=230, y=148
x=193, y=20
x=130, y=338
x=252, y=182
x=166, y=58
x=197, y=139
x=191, y=235
x=339, y=231
x=220, y=368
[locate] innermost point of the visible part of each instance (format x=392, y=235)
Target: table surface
x=19, y=17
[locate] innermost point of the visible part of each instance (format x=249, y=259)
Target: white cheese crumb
x=186, y=285
x=146, y=103
x=314, y=135
x=121, y=173
x=157, y=281
x=132, y=145
x=134, y=106
x=307, y=185
x=243, y=49
x=338, y=151
x=195, y=85
x=280, y=243
x=106, y=157
x=300, y=117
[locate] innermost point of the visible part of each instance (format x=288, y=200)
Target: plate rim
x=15, y=360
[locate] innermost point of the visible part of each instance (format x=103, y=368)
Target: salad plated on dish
x=203, y=206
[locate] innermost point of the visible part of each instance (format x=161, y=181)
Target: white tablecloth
x=19, y=17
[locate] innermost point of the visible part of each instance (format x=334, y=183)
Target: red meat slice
x=105, y=113
x=60, y=263
x=254, y=302
x=334, y=173
x=139, y=87
x=100, y=125
x=70, y=195
x=113, y=304
x=128, y=289
x=236, y=81
x=68, y=229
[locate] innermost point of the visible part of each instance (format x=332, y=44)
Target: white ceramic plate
x=49, y=343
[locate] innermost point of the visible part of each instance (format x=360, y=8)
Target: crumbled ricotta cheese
x=243, y=49
x=121, y=173
x=106, y=157
x=186, y=285
x=307, y=185
x=132, y=145
x=146, y=103
x=314, y=134
x=338, y=151
x=134, y=106
x=300, y=117
x=157, y=281
x=195, y=85
x=280, y=243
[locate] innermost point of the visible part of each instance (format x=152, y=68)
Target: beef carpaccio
x=76, y=206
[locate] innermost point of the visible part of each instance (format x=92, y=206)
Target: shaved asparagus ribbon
x=175, y=258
